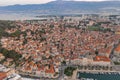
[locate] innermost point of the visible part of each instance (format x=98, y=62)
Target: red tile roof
x=102, y=58
x=117, y=48
x=51, y=70
x=2, y=75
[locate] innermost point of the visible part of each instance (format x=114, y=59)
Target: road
x=115, y=67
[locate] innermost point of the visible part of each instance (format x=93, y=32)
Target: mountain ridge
x=56, y=7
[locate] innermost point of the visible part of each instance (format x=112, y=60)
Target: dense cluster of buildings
x=44, y=45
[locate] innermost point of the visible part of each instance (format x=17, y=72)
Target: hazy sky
x=11, y=2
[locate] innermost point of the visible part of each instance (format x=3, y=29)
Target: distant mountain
x=65, y=7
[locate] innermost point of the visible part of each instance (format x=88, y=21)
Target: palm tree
x=111, y=68
x=107, y=67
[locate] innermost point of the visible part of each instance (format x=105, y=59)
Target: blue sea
x=98, y=76
x=17, y=16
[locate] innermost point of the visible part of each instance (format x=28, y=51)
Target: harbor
x=98, y=75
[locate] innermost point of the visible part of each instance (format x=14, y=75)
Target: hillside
x=65, y=7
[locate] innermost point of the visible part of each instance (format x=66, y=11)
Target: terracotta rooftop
x=2, y=75
x=102, y=58
x=51, y=70
x=117, y=48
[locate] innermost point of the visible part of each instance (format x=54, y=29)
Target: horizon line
x=53, y=1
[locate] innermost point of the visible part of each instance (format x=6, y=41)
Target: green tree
x=69, y=71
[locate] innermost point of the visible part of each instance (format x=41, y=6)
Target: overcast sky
x=11, y=2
